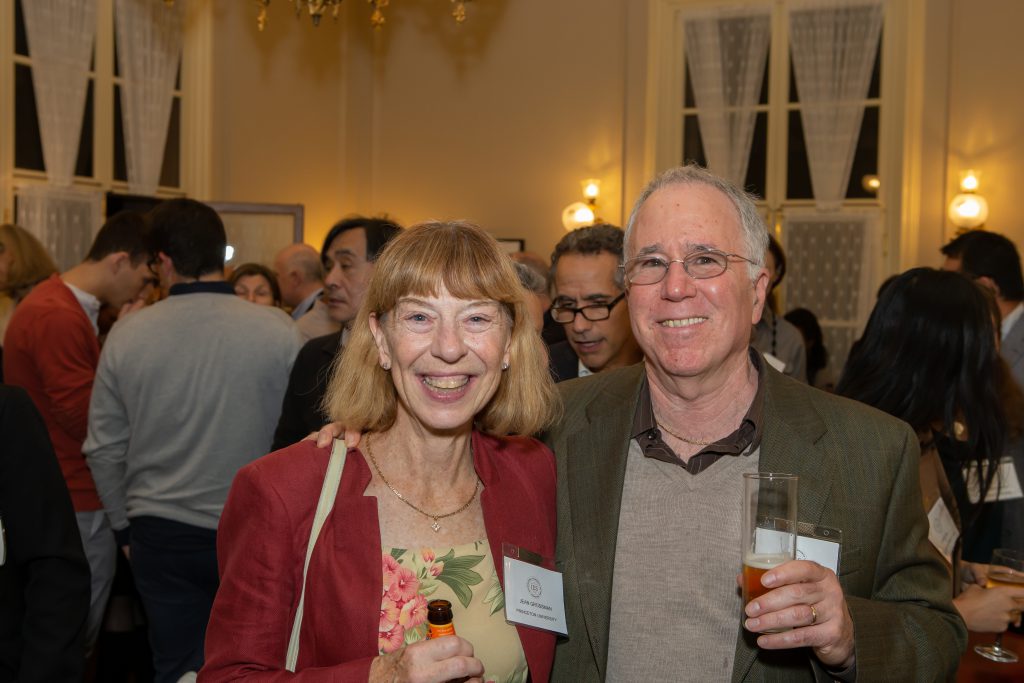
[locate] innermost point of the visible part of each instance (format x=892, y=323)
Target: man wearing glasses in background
x=589, y=300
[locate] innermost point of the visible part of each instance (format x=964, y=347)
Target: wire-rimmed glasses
x=700, y=265
x=591, y=312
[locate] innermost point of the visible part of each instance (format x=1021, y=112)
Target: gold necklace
x=435, y=525
x=695, y=442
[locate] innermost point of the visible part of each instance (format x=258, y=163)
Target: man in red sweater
x=51, y=350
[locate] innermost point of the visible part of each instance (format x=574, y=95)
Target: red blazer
x=261, y=545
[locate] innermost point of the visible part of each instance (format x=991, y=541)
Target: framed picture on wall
x=256, y=232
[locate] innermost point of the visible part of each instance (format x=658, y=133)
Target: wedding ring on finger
x=814, y=616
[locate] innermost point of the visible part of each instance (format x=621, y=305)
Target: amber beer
x=440, y=621
x=769, y=526
x=1004, y=577
x=753, y=569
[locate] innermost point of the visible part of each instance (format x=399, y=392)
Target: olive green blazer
x=858, y=472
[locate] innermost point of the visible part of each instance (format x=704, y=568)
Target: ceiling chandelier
x=317, y=8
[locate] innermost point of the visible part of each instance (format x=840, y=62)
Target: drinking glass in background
x=1006, y=569
x=769, y=527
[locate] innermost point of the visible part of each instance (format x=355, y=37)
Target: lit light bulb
x=591, y=189
x=969, y=182
x=968, y=210
x=229, y=253
x=577, y=215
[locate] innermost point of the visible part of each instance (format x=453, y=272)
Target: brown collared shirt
x=743, y=441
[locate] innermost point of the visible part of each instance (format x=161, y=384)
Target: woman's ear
x=381, y=340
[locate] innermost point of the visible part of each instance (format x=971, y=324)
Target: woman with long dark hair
x=930, y=356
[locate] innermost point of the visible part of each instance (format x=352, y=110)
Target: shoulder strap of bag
x=323, y=508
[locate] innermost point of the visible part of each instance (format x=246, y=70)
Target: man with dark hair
x=589, y=300
x=349, y=253
x=993, y=261
x=52, y=352
x=186, y=393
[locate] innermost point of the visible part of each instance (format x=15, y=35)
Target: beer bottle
x=439, y=619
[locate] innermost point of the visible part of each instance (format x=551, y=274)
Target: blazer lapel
x=353, y=564
x=498, y=499
x=595, y=494
x=791, y=431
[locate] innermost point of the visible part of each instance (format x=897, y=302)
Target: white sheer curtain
x=726, y=49
x=148, y=48
x=65, y=219
x=832, y=272
x=60, y=35
x=833, y=46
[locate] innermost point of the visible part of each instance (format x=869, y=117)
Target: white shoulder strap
x=323, y=508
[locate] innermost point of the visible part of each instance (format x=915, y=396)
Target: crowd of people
x=594, y=411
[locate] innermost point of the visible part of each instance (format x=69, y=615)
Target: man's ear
x=989, y=284
x=760, y=295
x=117, y=261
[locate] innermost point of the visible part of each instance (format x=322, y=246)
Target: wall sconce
x=582, y=214
x=968, y=209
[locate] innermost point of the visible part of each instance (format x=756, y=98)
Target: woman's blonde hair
x=30, y=264
x=468, y=263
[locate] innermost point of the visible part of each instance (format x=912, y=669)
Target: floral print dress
x=465, y=576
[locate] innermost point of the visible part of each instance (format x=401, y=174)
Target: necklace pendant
x=435, y=526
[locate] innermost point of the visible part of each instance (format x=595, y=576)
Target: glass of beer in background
x=1006, y=569
x=769, y=527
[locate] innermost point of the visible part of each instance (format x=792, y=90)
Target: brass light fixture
x=317, y=8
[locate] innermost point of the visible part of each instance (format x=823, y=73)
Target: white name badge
x=817, y=544
x=533, y=596
x=942, y=531
x=1006, y=485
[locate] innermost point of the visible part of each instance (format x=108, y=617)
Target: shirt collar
x=1010, y=320
x=306, y=304
x=744, y=440
x=582, y=370
x=89, y=303
x=202, y=287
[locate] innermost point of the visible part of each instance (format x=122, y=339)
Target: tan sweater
x=676, y=564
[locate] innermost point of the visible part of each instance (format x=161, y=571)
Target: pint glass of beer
x=769, y=527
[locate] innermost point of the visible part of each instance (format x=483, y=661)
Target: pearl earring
x=386, y=365
x=504, y=366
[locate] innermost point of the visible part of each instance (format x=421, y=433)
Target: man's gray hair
x=530, y=279
x=591, y=240
x=755, y=234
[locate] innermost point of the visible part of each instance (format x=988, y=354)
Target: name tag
x=1005, y=485
x=815, y=543
x=942, y=531
x=533, y=596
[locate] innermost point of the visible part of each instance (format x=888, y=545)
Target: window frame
x=195, y=94
x=666, y=109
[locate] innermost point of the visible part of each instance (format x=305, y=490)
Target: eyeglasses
x=700, y=265
x=593, y=312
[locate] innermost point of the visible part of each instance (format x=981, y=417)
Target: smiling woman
x=442, y=365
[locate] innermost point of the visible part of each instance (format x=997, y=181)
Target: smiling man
x=590, y=302
x=650, y=461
